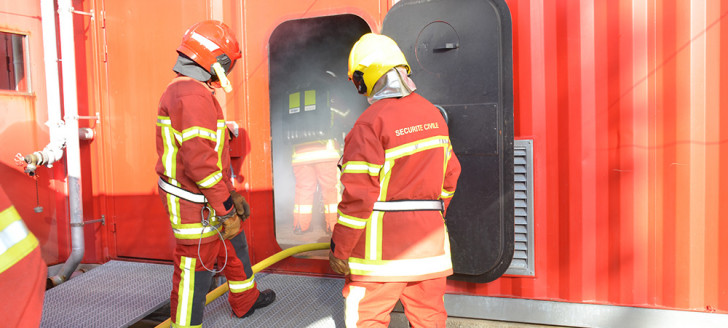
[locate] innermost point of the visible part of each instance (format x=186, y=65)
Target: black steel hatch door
x=460, y=52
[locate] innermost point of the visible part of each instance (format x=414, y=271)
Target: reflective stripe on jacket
x=16, y=241
x=193, y=150
x=315, y=152
x=399, y=149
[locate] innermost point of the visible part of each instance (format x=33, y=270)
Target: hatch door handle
x=447, y=46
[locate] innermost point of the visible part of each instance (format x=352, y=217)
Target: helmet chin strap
x=220, y=72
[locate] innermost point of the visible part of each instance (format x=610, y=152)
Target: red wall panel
x=623, y=101
x=22, y=129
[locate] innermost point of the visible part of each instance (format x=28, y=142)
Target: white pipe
x=54, y=150
x=73, y=154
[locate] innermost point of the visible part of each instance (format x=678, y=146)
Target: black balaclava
x=188, y=67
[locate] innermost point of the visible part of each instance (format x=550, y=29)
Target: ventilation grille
x=523, y=263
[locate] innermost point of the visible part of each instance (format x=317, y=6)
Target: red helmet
x=209, y=42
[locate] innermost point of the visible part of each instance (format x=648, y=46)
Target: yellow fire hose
x=222, y=289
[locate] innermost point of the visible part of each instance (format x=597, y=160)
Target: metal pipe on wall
x=73, y=154
x=54, y=150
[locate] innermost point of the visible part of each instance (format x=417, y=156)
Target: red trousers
x=368, y=304
x=22, y=287
x=308, y=177
x=191, y=281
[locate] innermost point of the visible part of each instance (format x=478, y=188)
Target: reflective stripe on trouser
x=368, y=304
x=308, y=177
x=191, y=281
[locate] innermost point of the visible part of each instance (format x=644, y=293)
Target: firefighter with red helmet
x=399, y=174
x=23, y=272
x=194, y=171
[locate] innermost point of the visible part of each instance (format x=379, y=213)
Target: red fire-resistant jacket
x=193, y=149
x=399, y=149
x=22, y=270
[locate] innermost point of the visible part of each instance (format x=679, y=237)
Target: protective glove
x=338, y=265
x=231, y=227
x=241, y=206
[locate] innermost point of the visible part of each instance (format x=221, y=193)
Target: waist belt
x=181, y=193
x=409, y=205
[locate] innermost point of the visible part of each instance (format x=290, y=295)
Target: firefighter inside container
x=399, y=174
x=23, y=272
x=310, y=127
x=204, y=209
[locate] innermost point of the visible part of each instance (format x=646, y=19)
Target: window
x=13, y=74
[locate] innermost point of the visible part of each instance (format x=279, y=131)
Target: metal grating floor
x=115, y=294
x=301, y=302
x=119, y=294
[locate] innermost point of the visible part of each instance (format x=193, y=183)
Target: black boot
x=265, y=298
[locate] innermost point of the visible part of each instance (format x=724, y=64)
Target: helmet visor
x=358, y=79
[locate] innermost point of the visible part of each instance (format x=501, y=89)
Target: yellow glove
x=231, y=227
x=241, y=206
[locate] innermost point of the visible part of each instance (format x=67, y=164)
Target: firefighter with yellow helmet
x=399, y=174
x=194, y=171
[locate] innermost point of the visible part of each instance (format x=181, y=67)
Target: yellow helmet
x=370, y=58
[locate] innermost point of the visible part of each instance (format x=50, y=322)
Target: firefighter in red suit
x=314, y=165
x=22, y=270
x=399, y=174
x=312, y=120
x=204, y=209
